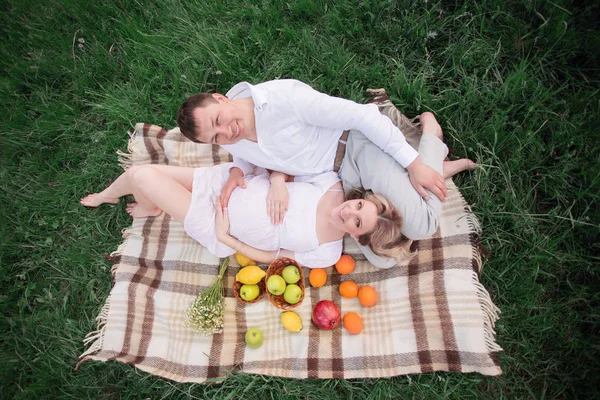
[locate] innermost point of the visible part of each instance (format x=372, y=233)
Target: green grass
x=514, y=84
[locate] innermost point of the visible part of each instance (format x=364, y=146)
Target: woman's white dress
x=248, y=217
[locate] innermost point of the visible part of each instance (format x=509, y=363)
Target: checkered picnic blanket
x=432, y=314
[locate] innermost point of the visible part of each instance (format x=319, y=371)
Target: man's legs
x=409, y=128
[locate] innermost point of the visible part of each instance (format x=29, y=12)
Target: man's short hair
x=185, y=114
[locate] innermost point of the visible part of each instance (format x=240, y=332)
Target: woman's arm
x=257, y=255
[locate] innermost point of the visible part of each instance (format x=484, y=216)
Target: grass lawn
x=515, y=85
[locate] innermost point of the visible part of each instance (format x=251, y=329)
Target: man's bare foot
x=452, y=168
x=137, y=211
x=96, y=199
x=430, y=126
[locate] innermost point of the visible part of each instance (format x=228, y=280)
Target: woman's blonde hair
x=386, y=239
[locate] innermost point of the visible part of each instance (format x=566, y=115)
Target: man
x=287, y=126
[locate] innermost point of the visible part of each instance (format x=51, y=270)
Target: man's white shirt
x=298, y=128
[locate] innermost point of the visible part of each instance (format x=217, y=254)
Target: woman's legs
x=155, y=188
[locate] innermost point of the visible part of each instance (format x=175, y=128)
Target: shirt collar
x=259, y=95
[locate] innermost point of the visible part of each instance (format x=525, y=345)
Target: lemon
x=250, y=275
x=243, y=260
x=291, y=321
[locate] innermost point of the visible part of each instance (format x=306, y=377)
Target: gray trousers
x=366, y=165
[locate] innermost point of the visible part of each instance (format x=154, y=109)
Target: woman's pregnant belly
x=248, y=219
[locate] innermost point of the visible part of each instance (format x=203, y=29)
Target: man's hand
x=221, y=221
x=423, y=177
x=277, y=198
x=236, y=178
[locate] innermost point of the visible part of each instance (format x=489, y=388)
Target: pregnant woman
x=317, y=218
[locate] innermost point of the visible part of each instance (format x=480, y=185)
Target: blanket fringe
x=133, y=155
x=472, y=219
x=490, y=312
x=475, y=227
x=96, y=338
x=125, y=233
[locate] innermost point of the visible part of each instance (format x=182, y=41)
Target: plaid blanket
x=432, y=314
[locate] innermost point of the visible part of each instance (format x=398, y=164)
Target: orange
x=345, y=264
x=317, y=277
x=367, y=296
x=353, y=323
x=348, y=289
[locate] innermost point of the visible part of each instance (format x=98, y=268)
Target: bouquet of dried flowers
x=206, y=314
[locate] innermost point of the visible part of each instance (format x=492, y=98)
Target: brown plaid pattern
x=431, y=315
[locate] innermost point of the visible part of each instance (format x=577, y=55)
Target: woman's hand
x=277, y=198
x=236, y=178
x=221, y=221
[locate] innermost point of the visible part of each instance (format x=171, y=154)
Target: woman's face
x=356, y=217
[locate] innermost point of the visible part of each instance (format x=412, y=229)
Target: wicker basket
x=276, y=268
x=262, y=287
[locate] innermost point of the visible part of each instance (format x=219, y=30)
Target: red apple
x=326, y=315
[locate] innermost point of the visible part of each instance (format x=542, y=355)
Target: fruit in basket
x=243, y=260
x=292, y=293
x=249, y=292
x=353, y=323
x=345, y=264
x=250, y=275
x=291, y=321
x=291, y=274
x=348, y=289
x=317, y=277
x=254, y=338
x=367, y=296
x=276, y=285
x=326, y=315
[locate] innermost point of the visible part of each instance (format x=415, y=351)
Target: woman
x=313, y=229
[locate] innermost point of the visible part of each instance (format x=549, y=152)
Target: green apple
x=254, y=338
x=291, y=274
x=276, y=285
x=249, y=292
x=292, y=294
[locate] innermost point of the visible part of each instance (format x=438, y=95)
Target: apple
x=254, y=338
x=292, y=294
x=291, y=274
x=249, y=292
x=276, y=285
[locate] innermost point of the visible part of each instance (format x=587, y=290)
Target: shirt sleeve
x=319, y=109
x=242, y=164
x=323, y=256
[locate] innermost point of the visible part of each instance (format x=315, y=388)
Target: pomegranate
x=326, y=315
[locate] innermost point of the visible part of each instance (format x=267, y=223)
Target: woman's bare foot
x=96, y=199
x=430, y=126
x=137, y=211
x=452, y=168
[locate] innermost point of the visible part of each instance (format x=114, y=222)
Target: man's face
x=223, y=122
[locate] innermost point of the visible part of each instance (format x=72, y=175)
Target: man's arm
x=278, y=196
x=319, y=109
